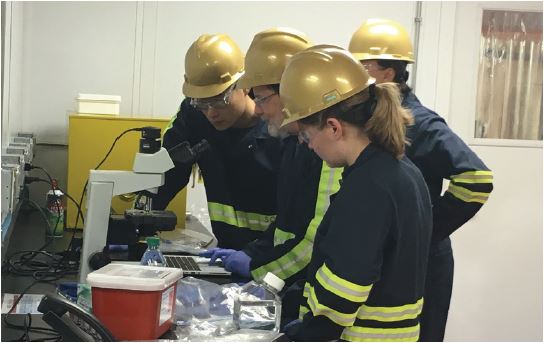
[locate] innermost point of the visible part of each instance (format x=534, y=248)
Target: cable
x=44, y=216
x=37, y=179
x=27, y=326
x=99, y=165
x=53, y=230
x=50, y=267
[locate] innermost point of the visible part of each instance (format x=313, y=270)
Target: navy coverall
x=305, y=183
x=239, y=170
x=366, y=277
x=440, y=154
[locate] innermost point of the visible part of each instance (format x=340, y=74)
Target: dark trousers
x=438, y=287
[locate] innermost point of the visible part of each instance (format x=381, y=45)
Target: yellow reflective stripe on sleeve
x=365, y=334
x=302, y=311
x=170, y=124
x=299, y=257
x=306, y=292
x=467, y=195
x=341, y=287
x=391, y=314
x=305, y=295
x=227, y=214
x=281, y=236
x=344, y=319
x=478, y=176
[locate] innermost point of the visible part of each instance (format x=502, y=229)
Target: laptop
x=195, y=266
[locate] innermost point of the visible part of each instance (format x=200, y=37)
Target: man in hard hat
x=240, y=167
x=305, y=182
x=384, y=48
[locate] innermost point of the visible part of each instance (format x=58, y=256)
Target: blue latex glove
x=238, y=263
x=216, y=253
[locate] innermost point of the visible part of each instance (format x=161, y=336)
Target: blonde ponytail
x=387, y=126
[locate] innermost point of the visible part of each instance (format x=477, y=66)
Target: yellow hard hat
x=381, y=39
x=318, y=78
x=212, y=63
x=268, y=54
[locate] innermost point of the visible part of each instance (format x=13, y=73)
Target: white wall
x=498, y=254
x=136, y=50
x=73, y=47
x=178, y=24
x=12, y=95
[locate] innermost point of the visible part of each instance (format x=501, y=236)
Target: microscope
x=150, y=164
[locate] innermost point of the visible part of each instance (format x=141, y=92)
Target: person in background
x=384, y=49
x=305, y=182
x=240, y=167
x=366, y=276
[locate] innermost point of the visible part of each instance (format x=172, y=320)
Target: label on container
x=167, y=305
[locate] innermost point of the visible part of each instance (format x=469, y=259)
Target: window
x=509, y=93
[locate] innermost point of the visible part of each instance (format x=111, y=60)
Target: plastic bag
x=200, y=299
x=204, y=313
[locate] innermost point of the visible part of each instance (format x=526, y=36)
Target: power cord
x=27, y=326
x=46, y=221
x=138, y=129
x=37, y=179
x=40, y=265
x=29, y=167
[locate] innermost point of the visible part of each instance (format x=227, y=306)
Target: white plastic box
x=134, y=302
x=98, y=103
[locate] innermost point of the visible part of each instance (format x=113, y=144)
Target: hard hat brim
x=288, y=121
x=366, y=57
x=207, y=91
x=245, y=83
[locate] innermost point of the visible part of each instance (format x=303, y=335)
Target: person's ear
x=389, y=75
x=336, y=127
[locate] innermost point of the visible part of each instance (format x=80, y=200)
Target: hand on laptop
x=216, y=253
x=238, y=262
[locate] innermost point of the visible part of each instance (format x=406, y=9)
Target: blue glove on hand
x=238, y=263
x=216, y=253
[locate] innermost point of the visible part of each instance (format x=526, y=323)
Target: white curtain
x=509, y=95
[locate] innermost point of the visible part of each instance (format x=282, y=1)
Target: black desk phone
x=71, y=321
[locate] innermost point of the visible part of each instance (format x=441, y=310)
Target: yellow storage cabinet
x=90, y=138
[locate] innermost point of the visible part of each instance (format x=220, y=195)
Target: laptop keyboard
x=186, y=263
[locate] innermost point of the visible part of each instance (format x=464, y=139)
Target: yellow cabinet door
x=90, y=138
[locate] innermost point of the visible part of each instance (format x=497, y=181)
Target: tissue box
x=98, y=103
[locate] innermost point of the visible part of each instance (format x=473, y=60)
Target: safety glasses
x=218, y=102
x=263, y=99
x=372, y=66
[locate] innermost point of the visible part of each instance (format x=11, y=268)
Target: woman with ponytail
x=384, y=49
x=366, y=275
